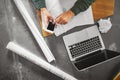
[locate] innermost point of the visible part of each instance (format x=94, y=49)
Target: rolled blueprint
x=33, y=28
x=38, y=61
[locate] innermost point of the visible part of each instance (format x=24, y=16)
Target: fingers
x=64, y=18
x=50, y=18
x=47, y=16
x=61, y=20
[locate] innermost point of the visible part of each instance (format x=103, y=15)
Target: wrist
x=43, y=9
x=72, y=13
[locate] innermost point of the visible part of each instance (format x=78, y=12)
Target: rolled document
x=38, y=61
x=33, y=28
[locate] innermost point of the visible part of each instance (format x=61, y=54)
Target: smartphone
x=51, y=26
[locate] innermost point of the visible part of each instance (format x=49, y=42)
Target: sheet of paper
x=57, y=7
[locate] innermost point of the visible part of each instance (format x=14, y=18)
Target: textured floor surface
x=13, y=67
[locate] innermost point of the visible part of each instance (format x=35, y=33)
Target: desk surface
x=13, y=67
x=103, y=8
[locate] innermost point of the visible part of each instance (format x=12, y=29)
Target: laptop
x=85, y=47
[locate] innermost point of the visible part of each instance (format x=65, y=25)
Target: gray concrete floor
x=13, y=67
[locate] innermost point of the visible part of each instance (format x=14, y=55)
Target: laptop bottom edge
x=94, y=59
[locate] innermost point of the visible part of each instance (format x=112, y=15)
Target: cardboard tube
x=38, y=61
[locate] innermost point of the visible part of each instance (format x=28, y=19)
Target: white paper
x=104, y=25
x=38, y=61
x=55, y=8
x=33, y=28
x=84, y=18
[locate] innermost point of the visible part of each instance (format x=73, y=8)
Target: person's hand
x=47, y=15
x=64, y=18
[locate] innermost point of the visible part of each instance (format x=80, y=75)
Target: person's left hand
x=64, y=17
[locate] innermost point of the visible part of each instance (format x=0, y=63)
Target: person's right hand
x=47, y=15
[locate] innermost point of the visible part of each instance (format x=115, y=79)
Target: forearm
x=39, y=4
x=81, y=5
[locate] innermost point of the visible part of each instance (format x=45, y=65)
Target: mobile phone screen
x=51, y=26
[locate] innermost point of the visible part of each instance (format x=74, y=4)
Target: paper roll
x=33, y=28
x=38, y=61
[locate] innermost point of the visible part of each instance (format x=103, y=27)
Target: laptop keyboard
x=86, y=46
